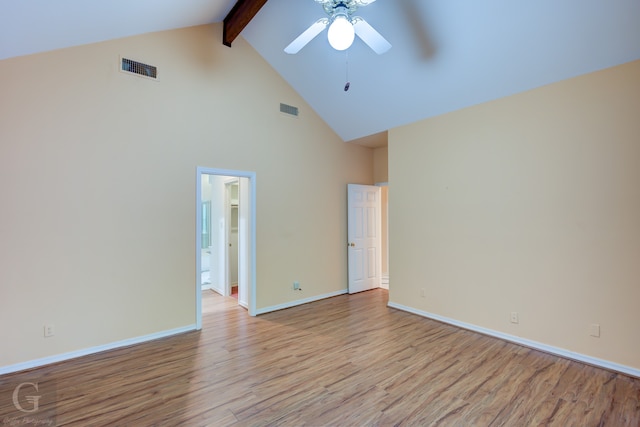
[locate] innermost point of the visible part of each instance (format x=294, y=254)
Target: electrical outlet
x=423, y=293
x=296, y=286
x=49, y=330
x=594, y=331
x=514, y=317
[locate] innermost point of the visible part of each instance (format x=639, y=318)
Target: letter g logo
x=30, y=399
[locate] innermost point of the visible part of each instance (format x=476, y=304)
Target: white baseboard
x=384, y=283
x=92, y=350
x=299, y=302
x=634, y=372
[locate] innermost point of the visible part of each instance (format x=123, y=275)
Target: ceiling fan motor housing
x=341, y=10
x=330, y=7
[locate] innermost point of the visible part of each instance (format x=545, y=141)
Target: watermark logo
x=27, y=402
x=33, y=400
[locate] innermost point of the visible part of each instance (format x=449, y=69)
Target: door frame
x=251, y=250
x=385, y=248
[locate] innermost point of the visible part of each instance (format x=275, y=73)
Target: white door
x=231, y=236
x=233, y=247
x=364, y=240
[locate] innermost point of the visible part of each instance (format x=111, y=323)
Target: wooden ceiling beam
x=238, y=18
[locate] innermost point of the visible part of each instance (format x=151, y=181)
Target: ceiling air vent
x=289, y=109
x=135, y=67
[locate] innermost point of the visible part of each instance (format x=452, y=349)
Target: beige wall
x=530, y=203
x=384, y=201
x=381, y=175
x=98, y=179
x=381, y=164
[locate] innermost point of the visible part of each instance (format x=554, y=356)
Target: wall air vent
x=135, y=67
x=289, y=109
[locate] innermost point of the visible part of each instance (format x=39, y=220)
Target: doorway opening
x=225, y=236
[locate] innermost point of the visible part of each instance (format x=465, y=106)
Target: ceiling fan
x=343, y=27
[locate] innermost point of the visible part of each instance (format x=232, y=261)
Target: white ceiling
x=446, y=54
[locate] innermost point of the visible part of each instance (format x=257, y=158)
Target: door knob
x=353, y=245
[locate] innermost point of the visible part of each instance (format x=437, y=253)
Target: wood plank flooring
x=343, y=361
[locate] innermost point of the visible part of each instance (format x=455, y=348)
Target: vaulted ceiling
x=446, y=55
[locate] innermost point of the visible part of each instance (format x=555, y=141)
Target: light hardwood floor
x=343, y=361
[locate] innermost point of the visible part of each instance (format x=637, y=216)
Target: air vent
x=289, y=109
x=135, y=67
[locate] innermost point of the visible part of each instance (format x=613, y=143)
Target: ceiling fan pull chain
x=347, y=84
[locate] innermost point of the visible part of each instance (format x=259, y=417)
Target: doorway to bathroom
x=225, y=236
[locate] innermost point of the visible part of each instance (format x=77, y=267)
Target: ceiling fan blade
x=370, y=36
x=308, y=35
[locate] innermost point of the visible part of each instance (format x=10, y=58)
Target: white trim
x=628, y=370
x=92, y=350
x=300, y=302
x=198, y=249
x=200, y=170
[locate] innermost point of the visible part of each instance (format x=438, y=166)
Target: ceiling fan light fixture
x=342, y=28
x=341, y=33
